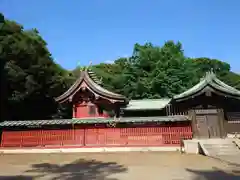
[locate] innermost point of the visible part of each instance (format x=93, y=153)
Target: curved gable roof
x=209, y=83
x=92, y=86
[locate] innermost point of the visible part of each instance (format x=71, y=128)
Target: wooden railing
x=172, y=111
x=232, y=125
x=98, y=137
x=233, y=117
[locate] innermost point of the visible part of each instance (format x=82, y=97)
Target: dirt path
x=115, y=166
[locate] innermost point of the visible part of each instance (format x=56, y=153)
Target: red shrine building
x=90, y=100
x=101, y=118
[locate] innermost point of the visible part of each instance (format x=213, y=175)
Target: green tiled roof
x=93, y=121
x=147, y=104
x=209, y=83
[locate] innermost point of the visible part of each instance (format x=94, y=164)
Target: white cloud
x=109, y=62
x=125, y=56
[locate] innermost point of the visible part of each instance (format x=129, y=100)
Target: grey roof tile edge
x=210, y=79
x=92, y=121
x=158, y=104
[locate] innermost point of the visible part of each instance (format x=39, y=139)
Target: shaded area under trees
x=80, y=169
x=214, y=174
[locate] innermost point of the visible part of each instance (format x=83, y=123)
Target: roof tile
x=93, y=121
x=147, y=104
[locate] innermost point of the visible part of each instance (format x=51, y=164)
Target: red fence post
x=84, y=137
x=98, y=136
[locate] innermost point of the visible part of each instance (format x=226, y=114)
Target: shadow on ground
x=215, y=173
x=16, y=178
x=78, y=170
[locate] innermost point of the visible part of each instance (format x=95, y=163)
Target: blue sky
x=103, y=30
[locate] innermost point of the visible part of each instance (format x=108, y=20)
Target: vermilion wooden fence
x=97, y=137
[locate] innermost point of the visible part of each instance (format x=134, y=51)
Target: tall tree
x=33, y=79
x=222, y=69
x=3, y=74
x=154, y=72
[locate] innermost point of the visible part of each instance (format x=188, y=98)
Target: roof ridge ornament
x=89, y=66
x=212, y=73
x=93, y=75
x=81, y=68
x=211, y=70
x=209, y=75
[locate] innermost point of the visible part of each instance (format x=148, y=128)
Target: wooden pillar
x=167, y=109
x=192, y=116
x=74, y=109
x=116, y=110
x=221, y=123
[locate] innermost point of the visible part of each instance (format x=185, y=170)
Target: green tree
x=154, y=72
x=3, y=74
x=222, y=69
x=33, y=79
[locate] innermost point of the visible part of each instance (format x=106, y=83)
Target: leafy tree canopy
x=31, y=79
x=155, y=72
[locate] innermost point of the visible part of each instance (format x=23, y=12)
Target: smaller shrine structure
x=90, y=99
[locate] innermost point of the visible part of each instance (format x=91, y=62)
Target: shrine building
x=101, y=118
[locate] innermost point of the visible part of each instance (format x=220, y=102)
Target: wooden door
x=202, y=127
x=213, y=126
x=207, y=123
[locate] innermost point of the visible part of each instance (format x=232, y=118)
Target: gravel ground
x=115, y=166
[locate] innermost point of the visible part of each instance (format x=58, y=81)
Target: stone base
x=191, y=146
x=233, y=135
x=89, y=150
